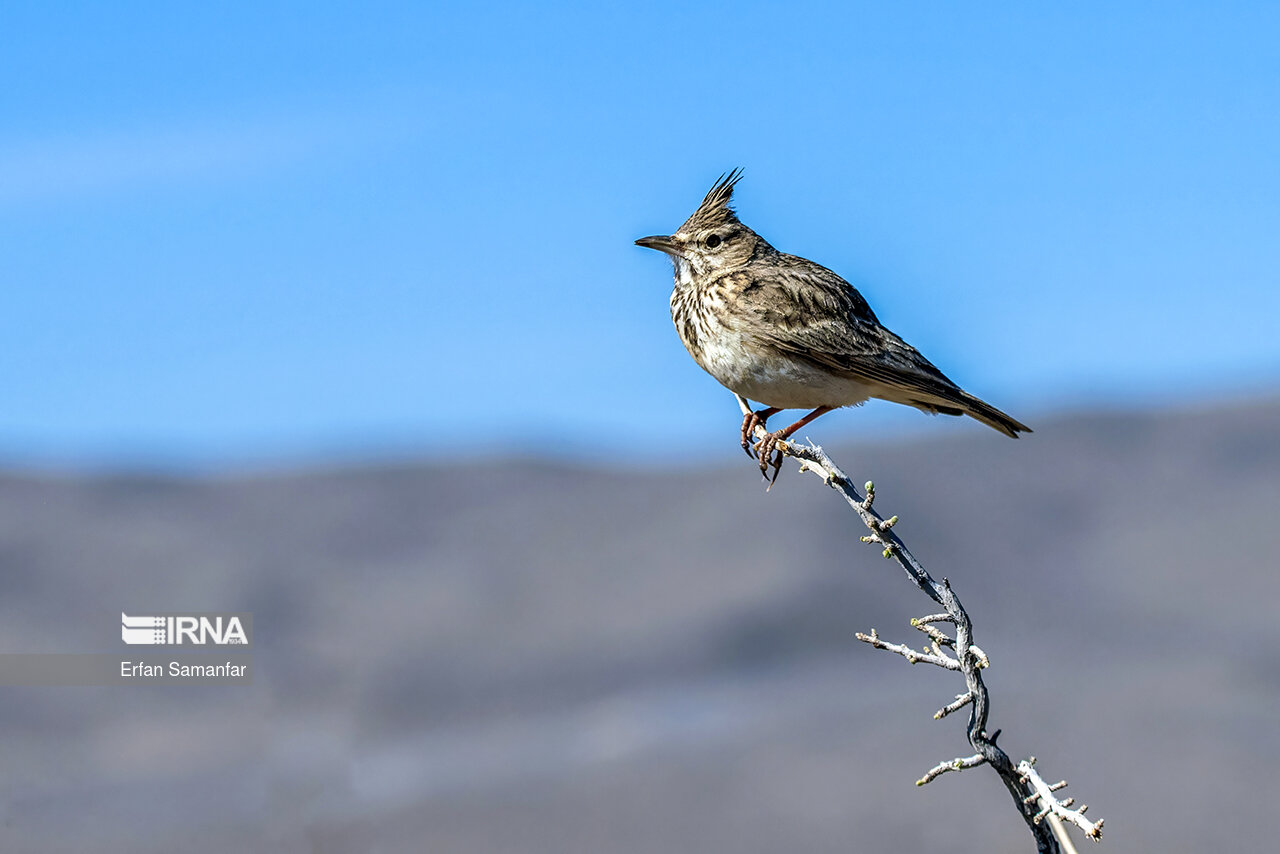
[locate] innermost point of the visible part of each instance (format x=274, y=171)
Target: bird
x=788, y=333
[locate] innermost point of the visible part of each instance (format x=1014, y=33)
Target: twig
x=915, y=656
x=961, y=701
x=954, y=765
x=1042, y=795
x=1034, y=803
x=939, y=637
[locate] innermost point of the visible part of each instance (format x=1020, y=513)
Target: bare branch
x=954, y=765
x=1034, y=799
x=1043, y=794
x=939, y=638
x=961, y=701
x=915, y=656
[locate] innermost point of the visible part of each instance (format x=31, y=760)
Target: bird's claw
x=769, y=454
x=750, y=422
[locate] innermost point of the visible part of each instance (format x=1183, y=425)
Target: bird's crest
x=715, y=209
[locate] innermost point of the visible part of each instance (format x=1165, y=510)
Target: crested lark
x=791, y=334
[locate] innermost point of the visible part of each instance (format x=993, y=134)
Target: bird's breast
x=700, y=316
x=717, y=339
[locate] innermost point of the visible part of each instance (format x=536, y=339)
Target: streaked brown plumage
x=789, y=333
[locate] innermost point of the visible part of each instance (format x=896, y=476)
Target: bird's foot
x=750, y=422
x=770, y=455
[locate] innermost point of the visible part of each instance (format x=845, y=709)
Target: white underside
x=785, y=384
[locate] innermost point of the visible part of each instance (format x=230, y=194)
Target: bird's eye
x=713, y=241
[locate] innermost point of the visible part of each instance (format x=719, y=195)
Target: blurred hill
x=511, y=656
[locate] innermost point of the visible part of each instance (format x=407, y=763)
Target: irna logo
x=185, y=629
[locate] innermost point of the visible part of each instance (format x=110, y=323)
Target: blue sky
x=298, y=230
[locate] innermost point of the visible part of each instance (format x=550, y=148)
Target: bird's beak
x=659, y=242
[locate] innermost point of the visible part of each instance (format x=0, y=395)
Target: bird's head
x=712, y=241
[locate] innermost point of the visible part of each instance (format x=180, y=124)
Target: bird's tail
x=992, y=417
x=960, y=402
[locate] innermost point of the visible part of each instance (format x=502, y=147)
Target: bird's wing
x=807, y=312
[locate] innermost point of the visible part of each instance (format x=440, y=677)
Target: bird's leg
x=768, y=445
x=749, y=423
